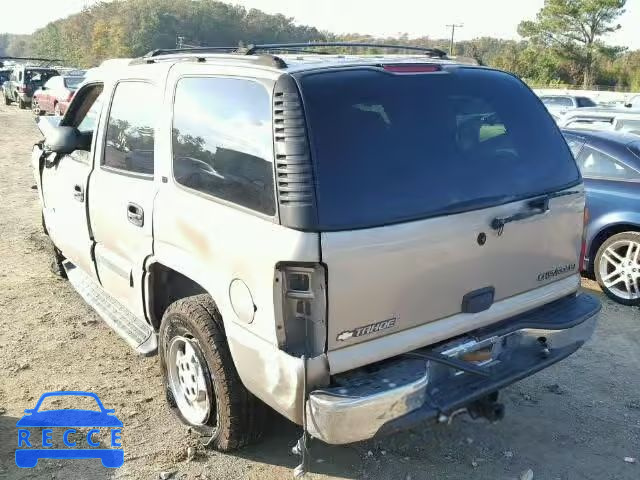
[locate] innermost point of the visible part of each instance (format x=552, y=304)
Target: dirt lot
x=577, y=420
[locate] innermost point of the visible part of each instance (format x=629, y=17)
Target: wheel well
x=602, y=236
x=165, y=287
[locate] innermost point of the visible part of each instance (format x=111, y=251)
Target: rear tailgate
x=412, y=166
x=384, y=280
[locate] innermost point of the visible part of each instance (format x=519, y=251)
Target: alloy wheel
x=619, y=269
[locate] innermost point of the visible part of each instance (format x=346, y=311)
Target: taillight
x=583, y=248
x=412, y=68
x=300, y=290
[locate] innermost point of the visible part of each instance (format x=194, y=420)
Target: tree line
x=563, y=45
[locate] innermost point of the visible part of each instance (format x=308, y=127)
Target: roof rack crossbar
x=252, y=49
x=170, y=51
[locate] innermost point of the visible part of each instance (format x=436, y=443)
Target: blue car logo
x=33, y=445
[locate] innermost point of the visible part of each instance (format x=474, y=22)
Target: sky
x=497, y=18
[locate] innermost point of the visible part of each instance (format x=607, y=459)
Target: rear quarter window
x=222, y=140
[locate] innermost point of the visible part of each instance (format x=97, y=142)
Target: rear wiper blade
x=537, y=206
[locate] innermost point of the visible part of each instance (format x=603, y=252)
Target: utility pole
x=453, y=32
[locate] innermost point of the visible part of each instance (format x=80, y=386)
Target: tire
x=617, y=268
x=56, y=261
x=21, y=104
x=6, y=99
x=234, y=417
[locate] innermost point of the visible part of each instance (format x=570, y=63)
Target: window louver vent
x=294, y=174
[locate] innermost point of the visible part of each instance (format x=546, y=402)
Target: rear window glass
x=39, y=77
x=586, y=102
x=390, y=147
x=73, y=82
x=557, y=101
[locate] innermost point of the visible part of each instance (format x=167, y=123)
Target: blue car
x=28, y=452
x=610, y=165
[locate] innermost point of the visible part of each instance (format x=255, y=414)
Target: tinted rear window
x=586, y=102
x=389, y=147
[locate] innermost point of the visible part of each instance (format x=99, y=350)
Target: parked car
x=25, y=80
x=611, y=119
x=560, y=104
x=610, y=165
x=401, y=248
x=55, y=95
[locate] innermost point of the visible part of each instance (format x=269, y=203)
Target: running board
x=134, y=330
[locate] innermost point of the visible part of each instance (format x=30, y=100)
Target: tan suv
x=359, y=242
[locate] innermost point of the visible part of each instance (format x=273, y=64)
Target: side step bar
x=135, y=331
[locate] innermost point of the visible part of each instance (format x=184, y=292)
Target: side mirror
x=63, y=140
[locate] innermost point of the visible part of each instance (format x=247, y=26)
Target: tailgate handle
x=537, y=206
x=478, y=300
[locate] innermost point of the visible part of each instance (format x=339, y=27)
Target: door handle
x=135, y=214
x=78, y=193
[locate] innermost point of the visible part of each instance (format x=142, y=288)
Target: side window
x=130, y=128
x=596, y=164
x=85, y=109
x=565, y=101
x=222, y=140
x=575, y=144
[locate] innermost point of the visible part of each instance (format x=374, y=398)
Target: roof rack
x=273, y=60
x=171, y=51
x=252, y=49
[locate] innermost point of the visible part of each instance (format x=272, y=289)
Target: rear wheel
x=6, y=99
x=201, y=382
x=21, y=104
x=617, y=268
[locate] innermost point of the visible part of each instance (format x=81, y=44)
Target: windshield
x=72, y=82
x=389, y=148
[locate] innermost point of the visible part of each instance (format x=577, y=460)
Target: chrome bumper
x=408, y=389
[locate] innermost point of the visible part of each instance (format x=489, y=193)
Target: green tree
x=573, y=29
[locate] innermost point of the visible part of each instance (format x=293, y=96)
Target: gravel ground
x=576, y=420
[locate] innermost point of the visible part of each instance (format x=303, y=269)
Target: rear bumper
x=407, y=390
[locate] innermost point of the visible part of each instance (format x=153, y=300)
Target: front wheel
x=617, y=268
x=202, y=385
x=6, y=99
x=21, y=104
